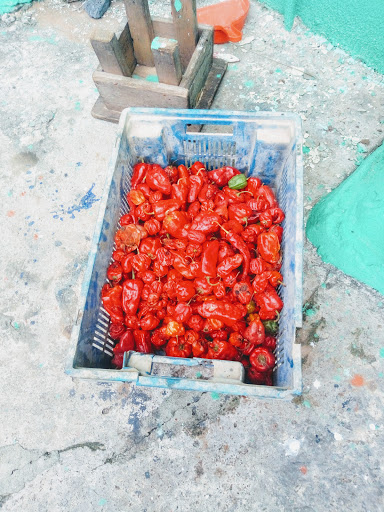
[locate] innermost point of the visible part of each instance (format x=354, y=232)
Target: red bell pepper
x=131, y=294
x=225, y=267
x=255, y=332
x=136, y=197
x=115, y=272
x=116, y=330
x=268, y=246
x=177, y=347
x=262, y=359
x=225, y=311
x=243, y=292
x=185, y=290
x=196, y=184
x=209, y=258
x=139, y=172
x=167, y=205
x=149, y=322
x=222, y=350
x=157, y=179
x=174, y=223
x=183, y=312
x=239, y=212
x=126, y=343
x=111, y=299
x=142, y=341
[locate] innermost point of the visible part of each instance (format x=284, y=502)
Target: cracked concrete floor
x=83, y=446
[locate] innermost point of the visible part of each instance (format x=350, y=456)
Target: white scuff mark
x=227, y=57
x=246, y=40
x=337, y=436
x=316, y=384
x=372, y=426
x=292, y=447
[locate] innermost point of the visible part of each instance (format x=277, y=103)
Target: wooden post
x=140, y=25
x=167, y=60
x=112, y=57
x=185, y=21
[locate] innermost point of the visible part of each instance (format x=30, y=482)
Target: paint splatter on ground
x=86, y=202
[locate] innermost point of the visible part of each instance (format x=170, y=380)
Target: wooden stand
x=186, y=74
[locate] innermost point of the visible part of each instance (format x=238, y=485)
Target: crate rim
x=107, y=375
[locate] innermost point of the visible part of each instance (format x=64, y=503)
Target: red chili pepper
x=128, y=237
x=243, y=292
x=144, y=211
x=239, y=212
x=152, y=226
x=115, y=272
x=260, y=282
x=209, y=258
x=213, y=324
x=221, y=199
x=126, y=343
x=236, y=339
x=207, y=193
x=141, y=262
x=159, y=269
x=262, y=359
x=183, y=174
x=118, y=255
x=256, y=377
x=223, y=175
x=111, y=299
x=139, y=172
x=183, y=312
x=196, y=236
x=144, y=189
x=197, y=167
x=164, y=256
x=172, y=173
x=231, y=279
x=149, y=246
x=266, y=193
x=193, y=250
x=156, y=288
x=131, y=321
x=136, y=197
x=219, y=290
x=219, y=349
x=185, y=267
x=116, y=330
x=258, y=266
x=149, y=322
x=225, y=251
x=251, y=233
x=239, y=326
x=177, y=347
x=258, y=205
x=185, y=290
x=268, y=246
x=253, y=185
x=180, y=191
x=167, y=205
x=174, y=222
x=174, y=328
x=255, y=332
x=202, y=286
x=194, y=209
x=131, y=295
x=275, y=278
x=196, y=184
x=199, y=348
x=159, y=337
x=220, y=334
x=278, y=230
x=270, y=342
x=231, y=225
x=222, y=210
x=155, y=197
x=157, y=179
x=196, y=323
x=142, y=341
x=231, y=263
x=269, y=303
x=225, y=311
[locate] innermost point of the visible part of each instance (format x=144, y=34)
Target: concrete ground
x=82, y=446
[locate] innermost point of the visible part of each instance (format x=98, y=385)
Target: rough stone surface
x=83, y=446
x=96, y=8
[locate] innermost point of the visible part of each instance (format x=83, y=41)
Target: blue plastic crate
x=262, y=144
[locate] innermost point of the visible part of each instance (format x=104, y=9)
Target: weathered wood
x=126, y=45
x=112, y=57
x=167, y=60
x=164, y=27
x=140, y=25
x=197, y=71
x=100, y=111
x=119, y=92
x=185, y=21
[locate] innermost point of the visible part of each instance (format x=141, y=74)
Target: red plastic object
x=227, y=18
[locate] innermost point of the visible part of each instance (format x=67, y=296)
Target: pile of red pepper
x=196, y=268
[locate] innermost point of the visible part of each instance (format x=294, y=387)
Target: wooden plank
x=199, y=66
x=119, y=92
x=126, y=45
x=140, y=26
x=112, y=58
x=185, y=21
x=164, y=27
x=167, y=60
x=100, y=111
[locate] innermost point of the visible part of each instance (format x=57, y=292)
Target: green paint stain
x=214, y=395
x=310, y=312
x=10, y=193
x=102, y=502
x=309, y=198
x=77, y=105
x=307, y=404
x=156, y=44
x=379, y=304
x=380, y=374
x=357, y=246
x=249, y=83
x=323, y=285
x=198, y=375
x=218, y=75
x=337, y=378
x=361, y=148
x=278, y=70
x=235, y=67
x=152, y=78
x=16, y=325
x=306, y=150
x=382, y=352
x=178, y=5
x=81, y=81
x=40, y=39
